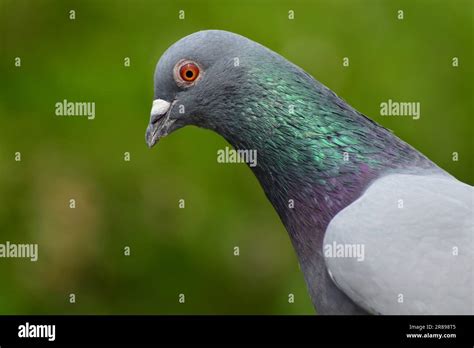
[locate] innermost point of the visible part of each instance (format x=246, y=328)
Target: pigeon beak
x=159, y=121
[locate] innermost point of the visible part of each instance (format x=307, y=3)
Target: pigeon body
x=335, y=177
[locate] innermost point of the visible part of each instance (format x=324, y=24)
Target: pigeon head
x=194, y=81
x=212, y=79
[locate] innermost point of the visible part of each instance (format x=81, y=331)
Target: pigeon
x=377, y=227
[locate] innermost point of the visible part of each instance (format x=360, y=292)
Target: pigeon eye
x=189, y=72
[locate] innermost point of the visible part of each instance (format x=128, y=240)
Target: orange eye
x=189, y=72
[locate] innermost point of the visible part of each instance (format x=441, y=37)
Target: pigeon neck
x=315, y=153
x=310, y=178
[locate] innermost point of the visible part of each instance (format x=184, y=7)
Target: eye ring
x=187, y=73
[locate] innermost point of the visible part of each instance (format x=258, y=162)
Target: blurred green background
x=135, y=203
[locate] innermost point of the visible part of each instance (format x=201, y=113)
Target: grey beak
x=159, y=121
